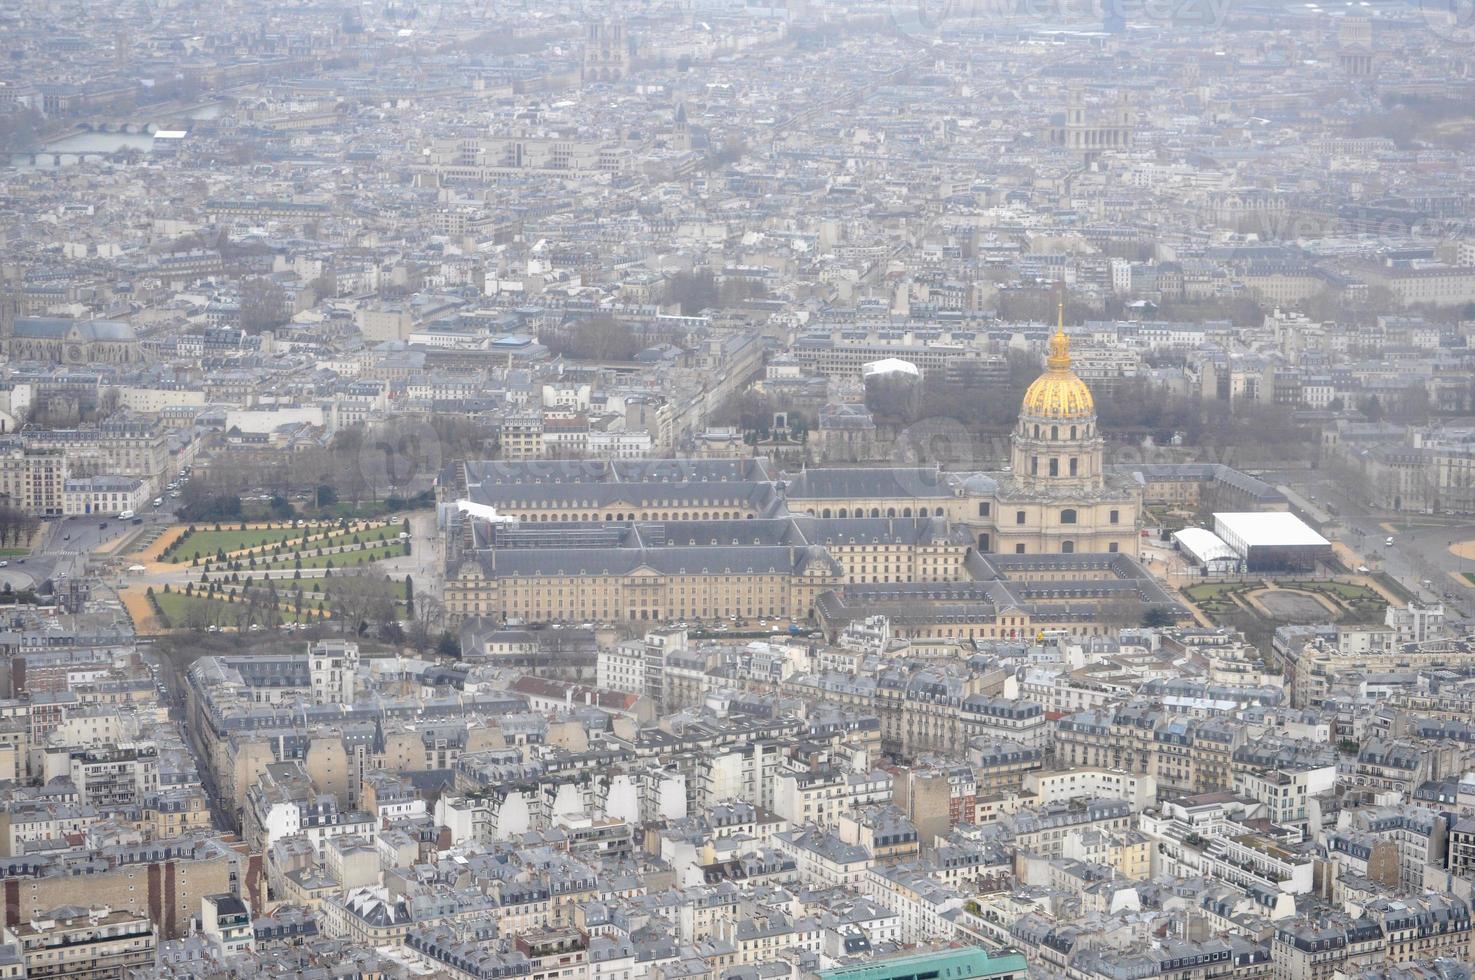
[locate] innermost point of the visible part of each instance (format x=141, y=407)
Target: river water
x=76, y=143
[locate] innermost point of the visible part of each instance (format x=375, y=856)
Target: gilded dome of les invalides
x=1058, y=393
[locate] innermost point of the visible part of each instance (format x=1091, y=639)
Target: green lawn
x=1212, y=591
x=1216, y=599
x=1359, y=603
x=14, y=552
x=1345, y=591
x=176, y=607
x=286, y=586
x=315, y=584
x=335, y=540
x=286, y=597
x=344, y=559
x=208, y=543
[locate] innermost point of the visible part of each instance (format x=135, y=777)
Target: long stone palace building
x=1051, y=544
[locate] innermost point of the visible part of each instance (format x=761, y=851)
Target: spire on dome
x=1059, y=359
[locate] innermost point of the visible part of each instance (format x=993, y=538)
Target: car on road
x=1388, y=541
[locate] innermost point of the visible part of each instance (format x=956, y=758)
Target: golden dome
x=1058, y=393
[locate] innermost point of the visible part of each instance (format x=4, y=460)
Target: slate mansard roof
x=59, y=328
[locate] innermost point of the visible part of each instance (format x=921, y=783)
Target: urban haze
x=737, y=489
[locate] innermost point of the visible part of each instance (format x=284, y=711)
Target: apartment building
x=85, y=943
x=128, y=447
x=33, y=480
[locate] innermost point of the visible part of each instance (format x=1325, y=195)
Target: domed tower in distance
x=1057, y=444
x=1057, y=497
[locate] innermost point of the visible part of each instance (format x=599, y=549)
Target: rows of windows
x=1055, y=430
x=620, y=515
x=1073, y=467
x=877, y=512
x=1067, y=516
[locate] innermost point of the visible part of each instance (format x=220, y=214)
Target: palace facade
x=663, y=540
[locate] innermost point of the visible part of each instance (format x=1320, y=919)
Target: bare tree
x=426, y=623
x=16, y=526
x=362, y=600
x=264, y=305
x=196, y=617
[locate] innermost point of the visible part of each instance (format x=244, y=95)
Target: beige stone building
x=1196, y=757
x=237, y=737
x=84, y=943
x=661, y=540
x=33, y=480
x=116, y=447
x=161, y=880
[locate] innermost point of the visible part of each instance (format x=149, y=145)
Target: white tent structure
x=1207, y=550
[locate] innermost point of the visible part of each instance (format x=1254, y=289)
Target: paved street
x=1420, y=550
x=69, y=540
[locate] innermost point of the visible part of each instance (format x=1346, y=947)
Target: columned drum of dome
x=1056, y=443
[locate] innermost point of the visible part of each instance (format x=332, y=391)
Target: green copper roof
x=950, y=964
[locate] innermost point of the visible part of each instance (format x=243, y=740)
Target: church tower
x=1057, y=446
x=606, y=55
x=10, y=304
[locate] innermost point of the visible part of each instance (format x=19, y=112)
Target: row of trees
x=16, y=526
x=1408, y=119
x=599, y=338
x=363, y=603
x=603, y=338
x=1133, y=412
x=65, y=409
x=395, y=458
x=694, y=292
x=753, y=412
x=1039, y=304
x=19, y=130
x=265, y=304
